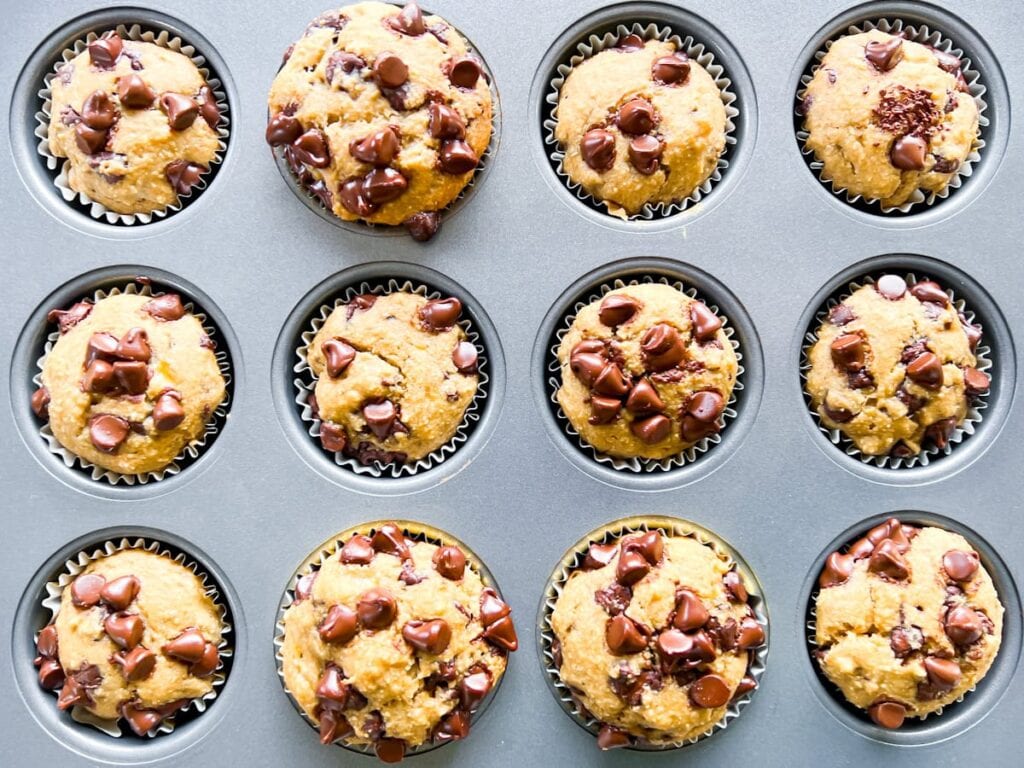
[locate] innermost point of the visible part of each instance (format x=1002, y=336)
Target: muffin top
x=137, y=636
x=652, y=635
x=893, y=367
x=888, y=117
x=136, y=121
x=383, y=114
x=640, y=123
x=131, y=381
x=908, y=621
x=394, y=642
x=394, y=376
x=646, y=372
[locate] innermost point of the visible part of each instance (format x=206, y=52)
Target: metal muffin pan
x=252, y=507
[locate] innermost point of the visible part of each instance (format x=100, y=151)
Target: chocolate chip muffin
x=136, y=121
x=394, y=377
x=131, y=381
x=893, y=367
x=908, y=621
x=641, y=124
x=136, y=637
x=888, y=117
x=382, y=114
x=394, y=642
x=646, y=372
x=653, y=635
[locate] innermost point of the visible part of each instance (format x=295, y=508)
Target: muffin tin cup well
x=595, y=44
x=330, y=548
x=314, y=203
x=59, y=167
x=81, y=561
x=613, y=531
x=954, y=718
x=191, y=451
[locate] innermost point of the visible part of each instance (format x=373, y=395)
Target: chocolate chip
x=623, y=637
x=610, y=737
x=344, y=62
x=838, y=568
x=41, y=403
x=472, y=690
x=502, y=634
x=450, y=562
x=645, y=154
x=339, y=626
x=453, y=727
x=86, y=589
x=457, y=157
x=107, y=432
x=134, y=345
x=69, y=318
x=428, y=636
x=208, y=108
x=941, y=431
x=648, y=544
x=120, y=592
x=389, y=70
x=464, y=72
x=976, y=382
x=166, y=308
x=353, y=196
x=671, y=70
x=389, y=750
x=141, y=721
x=947, y=61
x=464, y=356
x=51, y=674
x=930, y=291
x=636, y=117
x=332, y=437
x=963, y=625
x=445, y=122
x=125, y=629
x=690, y=614
x=131, y=377
x=408, y=21
x=710, y=691
x=423, y=225
x=187, y=646
x=884, y=54
x=597, y=148
x=357, y=551
x=604, y=410
x=841, y=314
x=705, y=324
x=891, y=287
x=617, y=309
x=390, y=540
x=630, y=43
x=705, y=406
x=662, y=347
x=848, y=352
x=312, y=148
x=733, y=583
x=746, y=685
x=332, y=692
x=134, y=93
x=382, y=418
x=587, y=366
x=643, y=399
x=440, y=314
x=90, y=140
x=282, y=129
x=104, y=51
x=838, y=415
x=943, y=674
x=611, y=381
x=46, y=642
x=888, y=714
x=181, y=110
x=598, y=556
x=492, y=607
x=183, y=175
x=379, y=148
x=376, y=609
x=909, y=153
x=887, y=560
x=652, y=429
x=632, y=567
x=136, y=664
x=905, y=640
x=945, y=165
x=98, y=111
x=926, y=371
x=382, y=185
x=960, y=565
x=614, y=598
x=338, y=355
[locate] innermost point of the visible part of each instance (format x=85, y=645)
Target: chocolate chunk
x=136, y=664
x=332, y=692
x=492, y=607
x=86, y=589
x=423, y=225
x=849, y=352
x=389, y=70
x=408, y=21
x=134, y=93
x=645, y=154
x=636, y=117
x=339, y=355
x=41, y=403
x=671, y=70
x=450, y=562
x=464, y=356
x=208, y=108
x=381, y=418
x=662, y=347
x=457, y=157
x=357, y=551
x=841, y=314
x=648, y=544
x=909, y=153
x=943, y=674
x=926, y=371
x=930, y=291
x=705, y=324
x=838, y=568
x=905, y=640
x=614, y=598
x=941, y=431
x=428, y=636
x=945, y=165
x=888, y=714
x=976, y=382
x=892, y=287
x=464, y=72
x=610, y=737
x=746, y=685
x=312, y=148
x=617, y=309
x=888, y=561
x=382, y=185
x=643, y=399
x=597, y=148
x=343, y=62
x=389, y=750
x=125, y=629
x=946, y=61
x=379, y=148
x=445, y=122
x=598, y=556
x=963, y=625
x=453, y=727
x=690, y=613
x=333, y=726
x=838, y=415
x=710, y=691
x=376, y=609
x=339, y=626
x=183, y=175
x=632, y=567
x=623, y=637
x=104, y=51
x=131, y=377
x=440, y=314
x=332, y=437
x=67, y=319
x=960, y=565
x=181, y=110
x=99, y=377
x=107, y=432
x=283, y=129
x=502, y=634
x=884, y=54
x=90, y=140
x=187, y=646
x=166, y=308
x=98, y=111
x=652, y=429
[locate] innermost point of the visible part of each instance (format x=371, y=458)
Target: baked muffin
x=394, y=376
x=136, y=121
x=382, y=113
x=908, y=621
x=137, y=637
x=131, y=381
x=653, y=635
x=893, y=368
x=646, y=372
x=394, y=642
x=887, y=117
x=641, y=124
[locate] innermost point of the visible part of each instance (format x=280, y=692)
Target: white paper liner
x=929, y=451
x=305, y=382
x=98, y=211
x=192, y=450
x=593, y=45
x=613, y=532
x=926, y=36
x=79, y=563
x=640, y=464
x=329, y=549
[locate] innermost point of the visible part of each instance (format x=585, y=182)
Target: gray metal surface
x=257, y=503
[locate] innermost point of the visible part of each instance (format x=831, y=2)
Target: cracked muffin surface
x=888, y=117
x=907, y=621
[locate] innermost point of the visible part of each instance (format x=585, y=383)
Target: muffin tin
x=769, y=244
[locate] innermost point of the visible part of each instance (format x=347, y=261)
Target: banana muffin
x=646, y=372
x=394, y=376
x=908, y=621
x=653, y=634
x=887, y=117
x=893, y=367
x=136, y=121
x=641, y=124
x=131, y=381
x=394, y=642
x=136, y=637
x=382, y=114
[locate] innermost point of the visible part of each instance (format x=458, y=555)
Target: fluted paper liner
x=75, y=565
x=573, y=559
x=593, y=45
x=98, y=211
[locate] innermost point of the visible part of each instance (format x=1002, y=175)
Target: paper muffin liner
x=917, y=33
x=330, y=548
x=192, y=450
x=595, y=44
x=305, y=381
x=639, y=464
x=75, y=565
x=486, y=158
x=573, y=559
x=975, y=406
x=61, y=166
